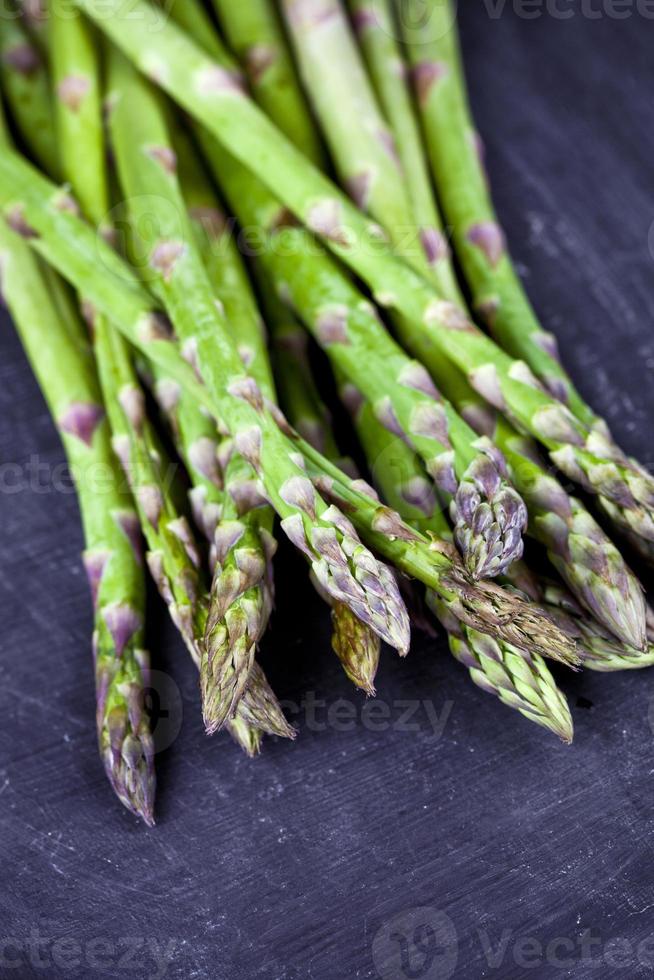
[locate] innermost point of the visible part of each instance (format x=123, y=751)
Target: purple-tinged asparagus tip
x=489, y=515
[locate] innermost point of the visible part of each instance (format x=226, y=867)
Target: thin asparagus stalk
x=597, y=648
x=51, y=332
x=388, y=71
x=344, y=567
x=78, y=113
x=112, y=542
x=213, y=95
x=196, y=440
x=46, y=216
x=26, y=89
x=173, y=557
x=361, y=143
x=357, y=647
x=255, y=34
x=243, y=542
x=454, y=152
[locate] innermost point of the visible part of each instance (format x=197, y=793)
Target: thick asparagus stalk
x=65, y=371
x=257, y=39
x=211, y=93
x=375, y=28
x=44, y=214
x=346, y=569
x=26, y=88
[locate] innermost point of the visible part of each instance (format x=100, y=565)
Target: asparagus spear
x=112, y=557
x=345, y=568
x=256, y=36
x=45, y=215
x=211, y=93
x=361, y=143
x=375, y=29
x=173, y=557
x=357, y=647
x=25, y=86
x=454, y=151
x=51, y=333
x=597, y=648
x=243, y=541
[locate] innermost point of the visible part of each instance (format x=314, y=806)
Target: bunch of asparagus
x=207, y=138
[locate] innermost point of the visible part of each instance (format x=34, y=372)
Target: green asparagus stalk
x=25, y=86
x=455, y=154
x=196, y=440
x=256, y=36
x=176, y=269
x=375, y=29
x=78, y=113
x=51, y=332
x=243, y=542
x=357, y=647
x=597, y=647
x=210, y=92
x=173, y=556
x=361, y=144
x=46, y=216
x=112, y=542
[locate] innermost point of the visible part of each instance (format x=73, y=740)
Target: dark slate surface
x=323, y=858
